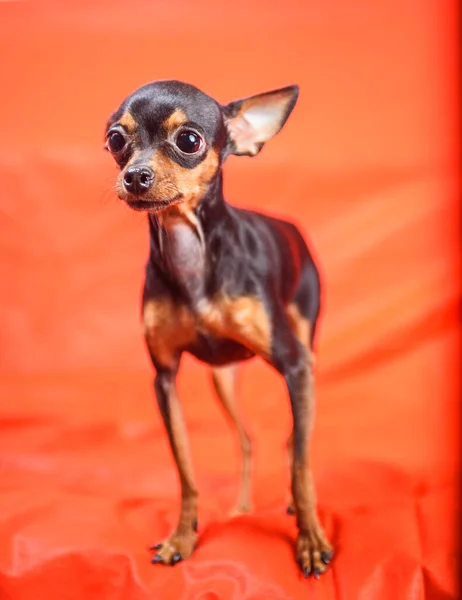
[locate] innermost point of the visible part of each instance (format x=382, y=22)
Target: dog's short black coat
x=256, y=254
x=221, y=283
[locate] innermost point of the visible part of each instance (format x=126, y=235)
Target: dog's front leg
x=313, y=550
x=181, y=543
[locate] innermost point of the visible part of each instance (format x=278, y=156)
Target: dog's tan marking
x=172, y=179
x=243, y=320
x=196, y=181
x=224, y=381
x=168, y=327
x=128, y=123
x=175, y=120
x=302, y=328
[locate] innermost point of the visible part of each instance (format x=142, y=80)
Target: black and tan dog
x=223, y=284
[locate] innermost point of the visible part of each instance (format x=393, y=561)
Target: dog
x=222, y=283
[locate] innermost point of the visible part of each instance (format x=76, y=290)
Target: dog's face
x=169, y=140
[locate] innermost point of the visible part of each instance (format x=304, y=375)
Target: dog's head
x=169, y=140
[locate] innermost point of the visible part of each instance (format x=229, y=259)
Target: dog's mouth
x=152, y=205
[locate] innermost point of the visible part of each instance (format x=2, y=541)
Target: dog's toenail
x=176, y=558
x=156, y=559
x=156, y=547
x=306, y=573
x=326, y=557
x=317, y=573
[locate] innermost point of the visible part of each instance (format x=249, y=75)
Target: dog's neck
x=180, y=241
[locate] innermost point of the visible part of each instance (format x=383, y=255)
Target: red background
x=366, y=166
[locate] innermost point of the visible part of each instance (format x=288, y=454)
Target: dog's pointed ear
x=253, y=121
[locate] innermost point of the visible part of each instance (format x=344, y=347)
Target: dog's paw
x=314, y=552
x=176, y=548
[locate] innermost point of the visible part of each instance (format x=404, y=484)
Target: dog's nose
x=138, y=180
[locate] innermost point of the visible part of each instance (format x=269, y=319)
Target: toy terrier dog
x=223, y=284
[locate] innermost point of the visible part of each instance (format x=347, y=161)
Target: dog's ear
x=253, y=121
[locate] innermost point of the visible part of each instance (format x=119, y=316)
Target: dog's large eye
x=116, y=142
x=189, y=141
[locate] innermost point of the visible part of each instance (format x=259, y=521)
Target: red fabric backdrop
x=366, y=166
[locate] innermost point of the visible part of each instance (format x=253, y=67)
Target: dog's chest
x=171, y=327
x=183, y=255
x=171, y=324
x=212, y=328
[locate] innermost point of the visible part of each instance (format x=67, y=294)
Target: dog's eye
x=116, y=142
x=189, y=142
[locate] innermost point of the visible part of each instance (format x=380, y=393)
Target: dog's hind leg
x=224, y=381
